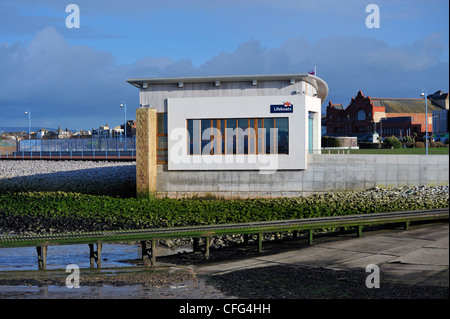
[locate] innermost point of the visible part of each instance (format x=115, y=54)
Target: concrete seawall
x=325, y=173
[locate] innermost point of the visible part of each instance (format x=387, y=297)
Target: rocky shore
x=88, y=177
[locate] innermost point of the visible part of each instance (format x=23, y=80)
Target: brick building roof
x=404, y=105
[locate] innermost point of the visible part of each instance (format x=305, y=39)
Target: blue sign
x=286, y=107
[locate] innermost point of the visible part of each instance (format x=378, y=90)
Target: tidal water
x=113, y=255
x=58, y=257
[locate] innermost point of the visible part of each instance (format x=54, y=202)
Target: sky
x=76, y=77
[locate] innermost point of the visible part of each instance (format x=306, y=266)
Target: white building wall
x=155, y=95
x=181, y=109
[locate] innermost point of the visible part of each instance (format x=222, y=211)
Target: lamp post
x=28, y=112
x=426, y=120
x=124, y=105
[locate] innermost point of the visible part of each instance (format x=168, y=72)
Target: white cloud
x=85, y=86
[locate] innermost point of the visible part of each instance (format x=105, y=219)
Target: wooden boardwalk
x=149, y=237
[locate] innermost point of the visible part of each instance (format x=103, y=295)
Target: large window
x=238, y=136
x=361, y=116
x=161, y=136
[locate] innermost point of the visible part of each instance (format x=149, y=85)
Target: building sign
x=286, y=107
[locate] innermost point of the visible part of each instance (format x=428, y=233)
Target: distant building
x=59, y=133
x=118, y=131
x=387, y=116
x=104, y=131
x=82, y=134
x=440, y=117
x=131, y=128
x=41, y=133
x=440, y=99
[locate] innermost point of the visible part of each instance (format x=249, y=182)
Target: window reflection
x=238, y=136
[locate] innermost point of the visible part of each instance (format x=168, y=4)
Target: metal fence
x=78, y=145
x=82, y=148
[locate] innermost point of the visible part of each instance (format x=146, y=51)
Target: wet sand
x=166, y=282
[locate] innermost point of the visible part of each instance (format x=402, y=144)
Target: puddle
x=187, y=290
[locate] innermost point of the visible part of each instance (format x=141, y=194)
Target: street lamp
x=426, y=120
x=28, y=112
x=124, y=105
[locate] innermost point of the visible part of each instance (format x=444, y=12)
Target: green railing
x=42, y=241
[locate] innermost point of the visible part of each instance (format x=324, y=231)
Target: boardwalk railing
x=42, y=241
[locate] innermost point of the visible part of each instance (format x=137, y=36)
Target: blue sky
x=75, y=78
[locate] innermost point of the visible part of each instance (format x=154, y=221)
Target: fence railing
x=92, y=148
x=78, y=144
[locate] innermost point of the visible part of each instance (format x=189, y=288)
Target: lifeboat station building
x=226, y=136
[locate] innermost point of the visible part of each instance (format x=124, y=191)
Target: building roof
x=404, y=105
x=438, y=95
x=337, y=106
x=319, y=84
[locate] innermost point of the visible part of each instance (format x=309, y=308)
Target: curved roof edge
x=319, y=84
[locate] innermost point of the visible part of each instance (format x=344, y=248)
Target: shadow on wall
x=111, y=181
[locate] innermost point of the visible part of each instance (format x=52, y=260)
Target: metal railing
x=41, y=241
x=82, y=148
x=78, y=144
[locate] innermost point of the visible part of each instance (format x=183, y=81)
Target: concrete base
x=326, y=173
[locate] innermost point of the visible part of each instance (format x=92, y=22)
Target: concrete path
x=418, y=256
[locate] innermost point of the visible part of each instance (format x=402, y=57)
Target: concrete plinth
x=145, y=152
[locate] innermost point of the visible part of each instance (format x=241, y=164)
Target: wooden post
x=195, y=245
x=99, y=256
x=359, y=231
x=407, y=225
x=310, y=236
x=207, y=243
x=260, y=239
x=42, y=257
x=246, y=239
x=91, y=255
x=149, y=255
x=153, y=251
x=145, y=255
x=95, y=256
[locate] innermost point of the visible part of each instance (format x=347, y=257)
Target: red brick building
x=387, y=116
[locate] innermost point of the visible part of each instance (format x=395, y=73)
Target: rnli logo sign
x=286, y=107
